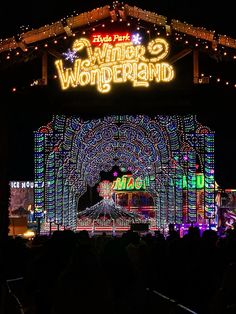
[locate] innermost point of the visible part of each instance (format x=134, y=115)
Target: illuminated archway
x=70, y=154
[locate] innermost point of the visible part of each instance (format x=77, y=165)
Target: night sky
x=214, y=107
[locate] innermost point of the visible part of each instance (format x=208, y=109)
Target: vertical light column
x=73, y=209
x=39, y=170
x=171, y=201
x=50, y=204
x=191, y=187
x=209, y=177
x=66, y=212
x=156, y=200
x=59, y=196
x=163, y=204
x=179, y=196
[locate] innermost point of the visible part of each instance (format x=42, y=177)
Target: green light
x=128, y=183
x=195, y=181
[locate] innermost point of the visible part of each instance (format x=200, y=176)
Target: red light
x=102, y=38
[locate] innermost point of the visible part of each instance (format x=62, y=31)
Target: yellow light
x=120, y=63
x=218, y=80
x=29, y=234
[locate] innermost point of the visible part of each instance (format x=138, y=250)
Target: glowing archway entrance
x=70, y=153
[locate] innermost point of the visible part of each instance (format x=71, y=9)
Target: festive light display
x=128, y=183
x=70, y=154
x=70, y=55
x=49, y=38
x=106, y=209
x=105, y=189
x=136, y=39
x=116, y=64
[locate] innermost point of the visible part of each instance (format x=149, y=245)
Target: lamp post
x=38, y=225
x=38, y=215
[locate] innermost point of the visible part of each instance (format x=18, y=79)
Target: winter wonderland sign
x=107, y=59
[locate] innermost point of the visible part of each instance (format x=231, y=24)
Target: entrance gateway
x=171, y=151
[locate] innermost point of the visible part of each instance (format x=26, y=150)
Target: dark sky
x=214, y=15
x=214, y=107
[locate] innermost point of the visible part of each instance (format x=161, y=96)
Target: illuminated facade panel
x=160, y=152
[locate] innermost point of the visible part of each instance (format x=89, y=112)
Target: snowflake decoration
x=70, y=55
x=105, y=189
x=136, y=39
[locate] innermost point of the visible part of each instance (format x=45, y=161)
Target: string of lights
x=219, y=52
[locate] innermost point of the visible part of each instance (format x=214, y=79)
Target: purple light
x=115, y=174
x=70, y=55
x=136, y=39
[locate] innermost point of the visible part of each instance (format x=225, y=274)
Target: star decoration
x=70, y=55
x=136, y=39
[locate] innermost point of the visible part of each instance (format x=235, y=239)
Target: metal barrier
x=159, y=301
x=9, y=298
x=168, y=305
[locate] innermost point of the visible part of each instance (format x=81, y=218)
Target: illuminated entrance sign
x=118, y=63
x=194, y=182
x=129, y=183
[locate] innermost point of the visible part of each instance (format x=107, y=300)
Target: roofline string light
x=184, y=32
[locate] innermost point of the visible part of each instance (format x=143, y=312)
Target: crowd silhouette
x=75, y=272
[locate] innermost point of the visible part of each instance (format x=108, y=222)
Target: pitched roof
x=71, y=25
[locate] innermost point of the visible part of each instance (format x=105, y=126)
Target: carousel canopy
x=107, y=209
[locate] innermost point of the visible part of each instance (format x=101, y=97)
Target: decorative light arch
x=70, y=154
